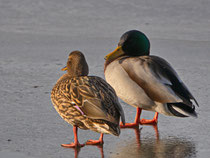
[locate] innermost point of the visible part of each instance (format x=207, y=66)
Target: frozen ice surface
x=35, y=39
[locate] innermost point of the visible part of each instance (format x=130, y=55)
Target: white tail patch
x=182, y=111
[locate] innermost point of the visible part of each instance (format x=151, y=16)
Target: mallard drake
x=146, y=82
x=86, y=102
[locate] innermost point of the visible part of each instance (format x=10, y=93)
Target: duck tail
x=182, y=110
x=108, y=127
x=114, y=130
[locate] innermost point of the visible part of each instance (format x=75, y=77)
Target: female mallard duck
x=146, y=82
x=87, y=102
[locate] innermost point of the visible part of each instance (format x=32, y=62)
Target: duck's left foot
x=94, y=142
x=151, y=122
x=73, y=145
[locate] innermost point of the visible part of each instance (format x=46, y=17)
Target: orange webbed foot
x=94, y=142
x=73, y=145
x=129, y=125
x=154, y=121
x=151, y=122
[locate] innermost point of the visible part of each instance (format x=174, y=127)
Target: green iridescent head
x=132, y=43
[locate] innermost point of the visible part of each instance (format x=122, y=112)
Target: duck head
x=76, y=65
x=132, y=43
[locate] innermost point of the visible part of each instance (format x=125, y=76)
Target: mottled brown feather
x=86, y=101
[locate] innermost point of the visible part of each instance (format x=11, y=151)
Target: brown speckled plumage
x=87, y=102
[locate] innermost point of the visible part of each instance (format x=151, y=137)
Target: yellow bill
x=116, y=53
x=64, y=69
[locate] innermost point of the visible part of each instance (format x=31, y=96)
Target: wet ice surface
x=35, y=39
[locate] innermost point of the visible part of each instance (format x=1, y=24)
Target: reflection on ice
x=154, y=147
x=77, y=150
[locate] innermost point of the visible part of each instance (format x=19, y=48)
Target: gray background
x=36, y=37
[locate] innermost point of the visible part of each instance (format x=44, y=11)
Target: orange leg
x=153, y=121
x=76, y=143
x=96, y=142
x=136, y=122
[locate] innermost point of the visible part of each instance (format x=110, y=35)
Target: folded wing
x=158, y=80
x=96, y=99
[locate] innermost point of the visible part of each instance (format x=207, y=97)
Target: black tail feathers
x=182, y=110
